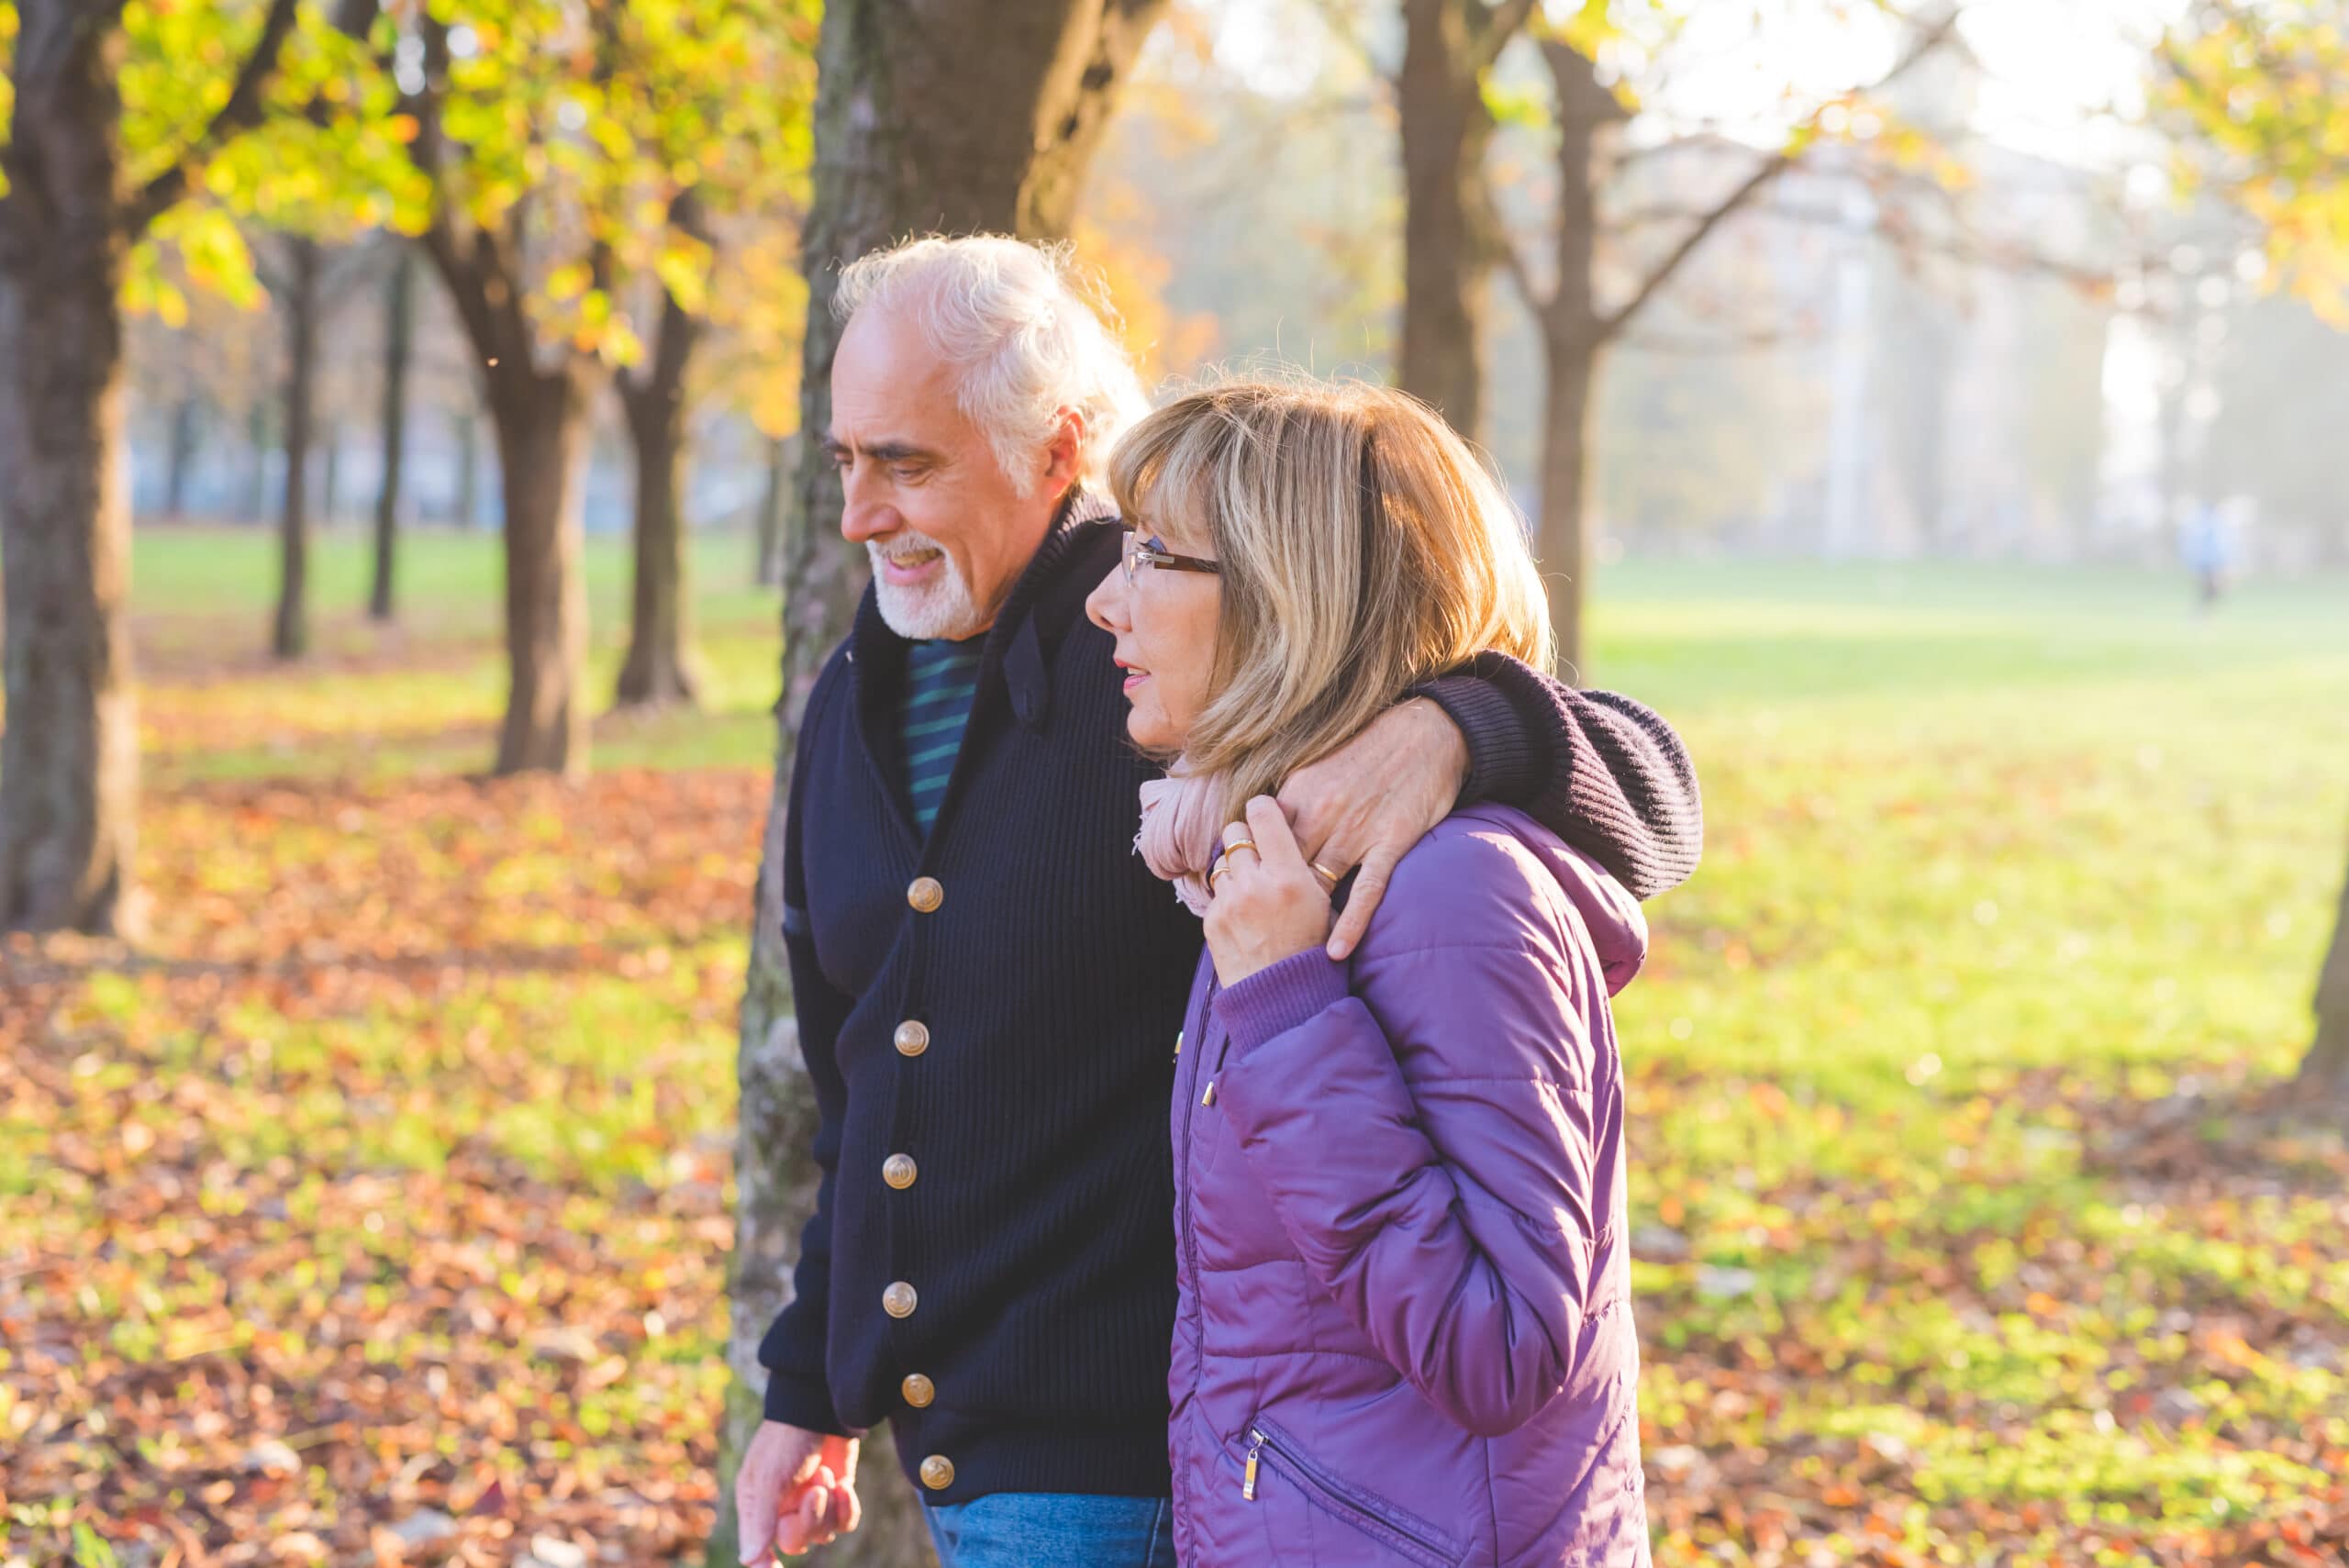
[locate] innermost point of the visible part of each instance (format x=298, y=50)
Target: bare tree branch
x=240, y=113
x=1339, y=25
x=1611, y=323
x=1742, y=341
x=1496, y=26
x=1519, y=276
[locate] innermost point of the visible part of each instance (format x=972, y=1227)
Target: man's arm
x=798, y=1389
x=1600, y=770
x=796, y=1486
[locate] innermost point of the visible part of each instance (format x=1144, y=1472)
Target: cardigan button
x=925, y=894
x=918, y=1390
x=897, y=1170
x=898, y=1300
x=913, y=1037
x=938, y=1472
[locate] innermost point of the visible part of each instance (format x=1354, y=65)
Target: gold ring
x=1325, y=873
x=1247, y=844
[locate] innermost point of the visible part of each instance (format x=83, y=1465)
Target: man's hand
x=1369, y=801
x=794, y=1490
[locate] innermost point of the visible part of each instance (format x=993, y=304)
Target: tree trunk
x=929, y=115
x=659, y=666
x=181, y=456
x=399, y=335
x=330, y=480
x=1448, y=244
x=769, y=569
x=1563, y=539
x=467, y=470
x=1574, y=339
x=542, y=419
x=291, y=637
x=2324, y=1072
x=68, y=752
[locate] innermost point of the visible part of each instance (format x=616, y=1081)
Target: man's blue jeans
x=1053, y=1529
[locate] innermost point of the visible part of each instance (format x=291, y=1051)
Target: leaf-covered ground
x=376, y=1211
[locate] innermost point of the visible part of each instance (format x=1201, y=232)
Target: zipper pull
x=1179, y=1045
x=1209, y=1098
x=1248, y=1482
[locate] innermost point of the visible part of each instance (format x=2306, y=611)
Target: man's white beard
x=927, y=612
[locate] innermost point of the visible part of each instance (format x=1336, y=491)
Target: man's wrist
x=1502, y=765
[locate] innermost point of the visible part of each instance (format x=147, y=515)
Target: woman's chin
x=1151, y=732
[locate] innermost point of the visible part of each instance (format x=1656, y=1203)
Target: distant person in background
x=2208, y=547
x=989, y=980
x=1405, y=1329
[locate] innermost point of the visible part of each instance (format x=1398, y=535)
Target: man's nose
x=865, y=517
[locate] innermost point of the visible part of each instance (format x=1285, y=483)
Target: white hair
x=1022, y=324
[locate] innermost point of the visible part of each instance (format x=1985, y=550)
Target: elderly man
x=989, y=981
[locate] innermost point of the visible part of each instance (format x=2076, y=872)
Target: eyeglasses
x=1141, y=552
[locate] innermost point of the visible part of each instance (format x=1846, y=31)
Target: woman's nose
x=1106, y=606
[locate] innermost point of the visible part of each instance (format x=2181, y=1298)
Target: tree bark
x=929, y=115
x=399, y=338
x=290, y=637
x=1449, y=243
x=658, y=668
x=541, y=428
x=68, y=753
x=2324, y=1072
x=769, y=544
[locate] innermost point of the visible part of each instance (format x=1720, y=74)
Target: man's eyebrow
x=879, y=451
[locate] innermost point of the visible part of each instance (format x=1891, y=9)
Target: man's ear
x=1065, y=464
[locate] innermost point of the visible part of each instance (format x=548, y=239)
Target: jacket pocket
x=1413, y=1539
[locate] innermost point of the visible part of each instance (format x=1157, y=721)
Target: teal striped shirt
x=941, y=680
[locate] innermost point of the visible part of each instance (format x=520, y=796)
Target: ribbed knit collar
x=1041, y=591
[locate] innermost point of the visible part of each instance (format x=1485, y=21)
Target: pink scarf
x=1181, y=831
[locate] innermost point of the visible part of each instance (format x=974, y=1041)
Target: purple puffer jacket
x=1405, y=1331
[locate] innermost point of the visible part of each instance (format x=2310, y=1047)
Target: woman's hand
x=1368, y=802
x=1268, y=903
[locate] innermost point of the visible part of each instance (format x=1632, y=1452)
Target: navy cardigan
x=989, y=1014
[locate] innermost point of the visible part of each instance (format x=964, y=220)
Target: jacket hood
x=1617, y=928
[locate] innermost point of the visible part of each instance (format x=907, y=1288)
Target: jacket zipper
x=1258, y=1443
x=1183, y=1173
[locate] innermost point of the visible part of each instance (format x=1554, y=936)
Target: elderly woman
x=1404, y=1333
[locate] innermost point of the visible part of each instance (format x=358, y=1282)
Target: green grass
x=423, y=696
x=1964, y=1233
x=449, y=579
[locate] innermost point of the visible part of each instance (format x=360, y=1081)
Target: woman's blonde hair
x=1365, y=550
